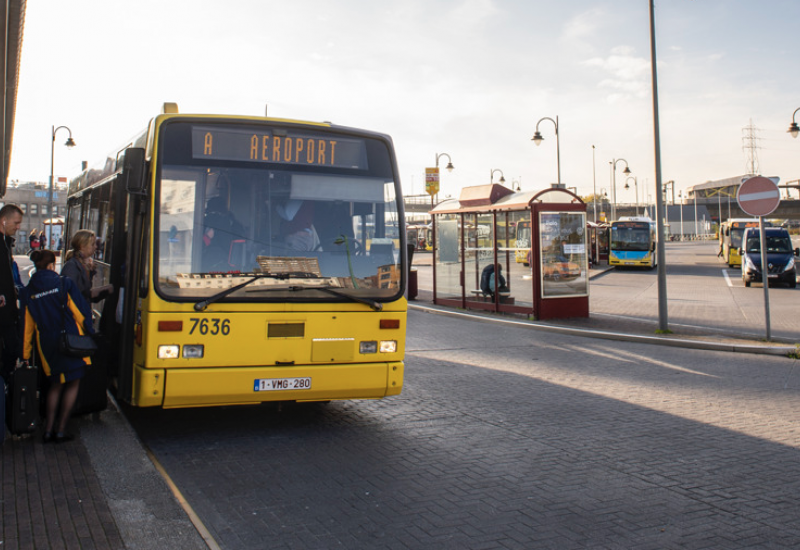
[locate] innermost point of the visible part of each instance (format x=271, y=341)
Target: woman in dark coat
x=51, y=304
x=79, y=266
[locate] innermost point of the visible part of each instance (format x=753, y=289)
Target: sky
x=469, y=78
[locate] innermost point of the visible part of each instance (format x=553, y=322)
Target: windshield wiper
x=203, y=304
x=377, y=306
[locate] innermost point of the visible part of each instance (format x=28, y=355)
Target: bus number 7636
x=210, y=326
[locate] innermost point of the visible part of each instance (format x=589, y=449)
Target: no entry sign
x=758, y=196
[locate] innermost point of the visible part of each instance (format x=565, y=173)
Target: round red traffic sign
x=758, y=196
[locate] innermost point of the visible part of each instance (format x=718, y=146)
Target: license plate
x=281, y=384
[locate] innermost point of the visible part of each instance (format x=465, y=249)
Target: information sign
x=432, y=180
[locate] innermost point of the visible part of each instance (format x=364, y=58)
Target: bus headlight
x=368, y=347
x=388, y=346
x=789, y=265
x=168, y=352
x=193, y=351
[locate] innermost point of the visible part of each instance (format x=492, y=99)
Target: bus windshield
x=736, y=237
x=293, y=210
x=630, y=238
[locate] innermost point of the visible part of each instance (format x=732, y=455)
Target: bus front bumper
x=210, y=386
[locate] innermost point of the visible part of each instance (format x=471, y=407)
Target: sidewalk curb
x=654, y=340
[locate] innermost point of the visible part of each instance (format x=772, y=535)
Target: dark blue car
x=780, y=257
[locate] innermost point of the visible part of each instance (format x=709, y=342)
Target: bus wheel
x=746, y=282
x=793, y=283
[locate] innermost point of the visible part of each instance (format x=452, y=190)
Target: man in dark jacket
x=10, y=220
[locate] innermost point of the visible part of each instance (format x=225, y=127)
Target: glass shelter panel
x=519, y=270
x=448, y=257
x=564, y=270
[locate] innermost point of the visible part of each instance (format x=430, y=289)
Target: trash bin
x=412, y=284
x=412, y=273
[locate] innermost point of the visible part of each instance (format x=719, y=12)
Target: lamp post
x=594, y=186
x=794, y=129
x=627, y=171
x=635, y=188
x=449, y=168
x=537, y=139
x=69, y=143
x=491, y=176
x=517, y=184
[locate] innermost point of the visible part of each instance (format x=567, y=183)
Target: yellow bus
x=523, y=243
x=234, y=245
x=633, y=242
x=730, y=238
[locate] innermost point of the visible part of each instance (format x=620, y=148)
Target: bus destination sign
x=277, y=146
x=632, y=225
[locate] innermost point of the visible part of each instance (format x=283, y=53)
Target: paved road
x=505, y=437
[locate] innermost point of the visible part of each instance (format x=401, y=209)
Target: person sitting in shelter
x=489, y=283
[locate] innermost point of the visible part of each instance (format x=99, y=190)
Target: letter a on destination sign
x=758, y=196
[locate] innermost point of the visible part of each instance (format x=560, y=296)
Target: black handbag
x=74, y=345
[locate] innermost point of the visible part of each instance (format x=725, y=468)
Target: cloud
x=627, y=76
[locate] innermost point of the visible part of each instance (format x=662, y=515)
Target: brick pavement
x=97, y=492
x=52, y=498
x=507, y=437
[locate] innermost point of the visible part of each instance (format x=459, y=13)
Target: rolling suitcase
x=22, y=403
x=92, y=396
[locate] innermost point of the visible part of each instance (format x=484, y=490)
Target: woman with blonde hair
x=49, y=306
x=79, y=265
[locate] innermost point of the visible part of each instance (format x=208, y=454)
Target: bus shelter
x=523, y=252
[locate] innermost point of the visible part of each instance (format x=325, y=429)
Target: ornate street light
x=69, y=143
x=635, y=188
x=627, y=172
x=491, y=176
x=794, y=129
x=537, y=139
x=449, y=166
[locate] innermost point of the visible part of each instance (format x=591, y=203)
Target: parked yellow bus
x=233, y=243
x=633, y=242
x=523, y=243
x=730, y=238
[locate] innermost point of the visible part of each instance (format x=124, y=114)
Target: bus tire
x=746, y=282
x=793, y=284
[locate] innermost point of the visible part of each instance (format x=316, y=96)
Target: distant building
x=32, y=198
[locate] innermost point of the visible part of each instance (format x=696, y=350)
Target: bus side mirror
x=797, y=251
x=741, y=251
x=133, y=170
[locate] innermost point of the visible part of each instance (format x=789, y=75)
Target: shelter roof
x=477, y=199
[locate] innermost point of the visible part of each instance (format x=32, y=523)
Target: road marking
x=727, y=278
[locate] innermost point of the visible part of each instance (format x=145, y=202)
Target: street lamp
x=449, y=168
x=69, y=143
x=491, y=176
x=517, y=184
x=635, y=188
x=537, y=139
x=627, y=171
x=794, y=129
